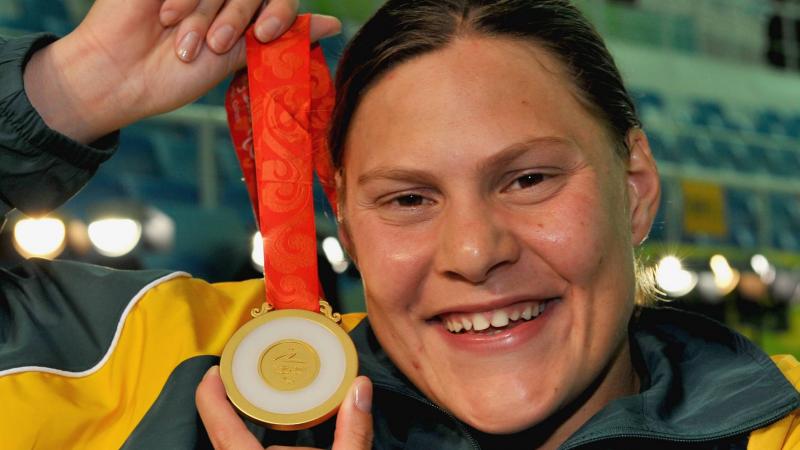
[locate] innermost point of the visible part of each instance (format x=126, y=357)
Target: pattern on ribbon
x=278, y=113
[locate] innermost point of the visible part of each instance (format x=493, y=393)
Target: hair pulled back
x=403, y=29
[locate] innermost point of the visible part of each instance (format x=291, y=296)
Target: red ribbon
x=278, y=113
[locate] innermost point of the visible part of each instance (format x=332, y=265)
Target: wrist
x=67, y=83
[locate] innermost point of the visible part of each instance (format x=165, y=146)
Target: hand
x=227, y=430
x=132, y=59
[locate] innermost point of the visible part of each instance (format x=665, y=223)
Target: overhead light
x=41, y=238
x=725, y=277
x=335, y=254
x=673, y=279
x=763, y=268
x=257, y=251
x=159, y=230
x=114, y=237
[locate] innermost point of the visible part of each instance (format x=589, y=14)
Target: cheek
x=393, y=262
x=579, y=235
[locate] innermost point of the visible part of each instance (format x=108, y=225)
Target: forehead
x=475, y=94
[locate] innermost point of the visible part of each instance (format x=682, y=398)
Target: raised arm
x=131, y=59
x=61, y=100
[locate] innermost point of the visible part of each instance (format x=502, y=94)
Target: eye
x=527, y=180
x=409, y=200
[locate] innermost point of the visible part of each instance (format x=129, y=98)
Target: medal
x=290, y=366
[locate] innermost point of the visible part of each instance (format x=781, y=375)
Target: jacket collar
x=703, y=382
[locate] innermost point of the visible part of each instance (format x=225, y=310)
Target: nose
x=474, y=242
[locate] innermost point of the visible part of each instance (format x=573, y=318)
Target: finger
x=324, y=26
x=275, y=19
x=354, y=422
x=172, y=11
x=193, y=28
x=229, y=24
x=225, y=429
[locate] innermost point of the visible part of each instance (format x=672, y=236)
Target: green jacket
x=92, y=357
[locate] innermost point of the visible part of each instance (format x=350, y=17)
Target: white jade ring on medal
x=289, y=369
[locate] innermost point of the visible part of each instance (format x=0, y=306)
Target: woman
x=493, y=184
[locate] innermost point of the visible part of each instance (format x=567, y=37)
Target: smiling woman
x=520, y=204
x=493, y=184
x=529, y=192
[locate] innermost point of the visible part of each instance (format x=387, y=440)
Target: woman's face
x=480, y=193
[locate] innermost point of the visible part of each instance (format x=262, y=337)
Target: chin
x=504, y=420
x=505, y=411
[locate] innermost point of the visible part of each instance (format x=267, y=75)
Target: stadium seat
x=785, y=221
x=742, y=218
x=793, y=127
x=708, y=113
x=696, y=150
x=769, y=122
x=725, y=156
x=757, y=156
x=651, y=107
x=662, y=150
x=783, y=161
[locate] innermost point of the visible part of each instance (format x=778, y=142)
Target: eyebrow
x=513, y=151
x=505, y=156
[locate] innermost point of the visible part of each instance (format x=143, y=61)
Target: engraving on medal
x=265, y=308
x=327, y=310
x=289, y=365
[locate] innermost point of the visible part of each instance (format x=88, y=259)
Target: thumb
x=354, y=422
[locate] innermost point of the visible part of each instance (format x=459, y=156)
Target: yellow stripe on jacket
x=172, y=322
x=785, y=433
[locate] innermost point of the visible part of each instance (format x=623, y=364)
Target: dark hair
x=404, y=29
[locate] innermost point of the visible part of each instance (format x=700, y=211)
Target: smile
x=495, y=319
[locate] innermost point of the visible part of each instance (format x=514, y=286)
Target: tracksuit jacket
x=92, y=357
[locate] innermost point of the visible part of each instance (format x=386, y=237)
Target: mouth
x=495, y=320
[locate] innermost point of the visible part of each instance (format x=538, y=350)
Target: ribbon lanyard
x=291, y=368
x=278, y=113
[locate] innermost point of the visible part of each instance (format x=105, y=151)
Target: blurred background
x=717, y=84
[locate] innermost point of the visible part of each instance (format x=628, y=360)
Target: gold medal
x=289, y=369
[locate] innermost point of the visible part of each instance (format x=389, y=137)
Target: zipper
x=430, y=404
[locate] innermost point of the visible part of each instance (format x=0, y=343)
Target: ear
x=344, y=239
x=343, y=229
x=644, y=186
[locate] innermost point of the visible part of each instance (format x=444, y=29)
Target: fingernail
x=213, y=370
x=190, y=44
x=268, y=29
x=333, y=31
x=168, y=17
x=221, y=39
x=363, y=395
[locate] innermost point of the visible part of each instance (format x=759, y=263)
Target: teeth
x=499, y=319
x=527, y=313
x=479, y=323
